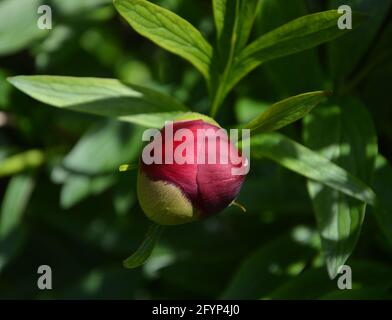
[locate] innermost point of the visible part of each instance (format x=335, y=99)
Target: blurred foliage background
x=73, y=211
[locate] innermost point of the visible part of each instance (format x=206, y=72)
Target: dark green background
x=82, y=218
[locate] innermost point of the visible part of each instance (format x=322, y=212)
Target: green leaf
x=285, y=112
x=234, y=21
x=78, y=187
x=341, y=63
x=18, y=25
x=226, y=19
x=300, y=34
x=169, y=31
x=343, y=133
x=145, y=249
x=21, y=162
x=220, y=12
x=104, y=97
x=382, y=185
x=269, y=267
x=299, y=72
x=247, y=13
x=15, y=202
x=91, y=166
x=310, y=164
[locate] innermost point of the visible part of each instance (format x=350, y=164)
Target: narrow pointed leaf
x=343, y=133
x=145, y=249
x=285, y=112
x=220, y=11
x=104, y=97
x=167, y=30
x=14, y=203
x=234, y=21
x=248, y=10
x=310, y=164
x=299, y=72
x=300, y=34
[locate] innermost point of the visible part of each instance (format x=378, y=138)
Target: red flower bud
x=189, y=183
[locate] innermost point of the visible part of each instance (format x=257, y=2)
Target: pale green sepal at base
x=164, y=203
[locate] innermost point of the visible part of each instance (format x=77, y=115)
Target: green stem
x=219, y=94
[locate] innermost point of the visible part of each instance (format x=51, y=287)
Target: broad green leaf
x=310, y=164
x=78, y=187
x=270, y=266
x=104, y=97
x=285, y=112
x=104, y=147
x=342, y=62
x=18, y=25
x=169, y=31
x=92, y=165
x=14, y=203
x=383, y=185
x=21, y=162
x=145, y=249
x=343, y=133
x=300, y=34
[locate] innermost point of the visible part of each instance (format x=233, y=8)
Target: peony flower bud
x=189, y=183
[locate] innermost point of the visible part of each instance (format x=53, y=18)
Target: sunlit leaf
x=285, y=112
x=300, y=34
x=310, y=164
x=167, y=30
x=104, y=97
x=343, y=133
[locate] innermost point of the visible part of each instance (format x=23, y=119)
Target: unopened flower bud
x=195, y=173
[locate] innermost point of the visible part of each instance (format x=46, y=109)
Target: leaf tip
x=11, y=80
